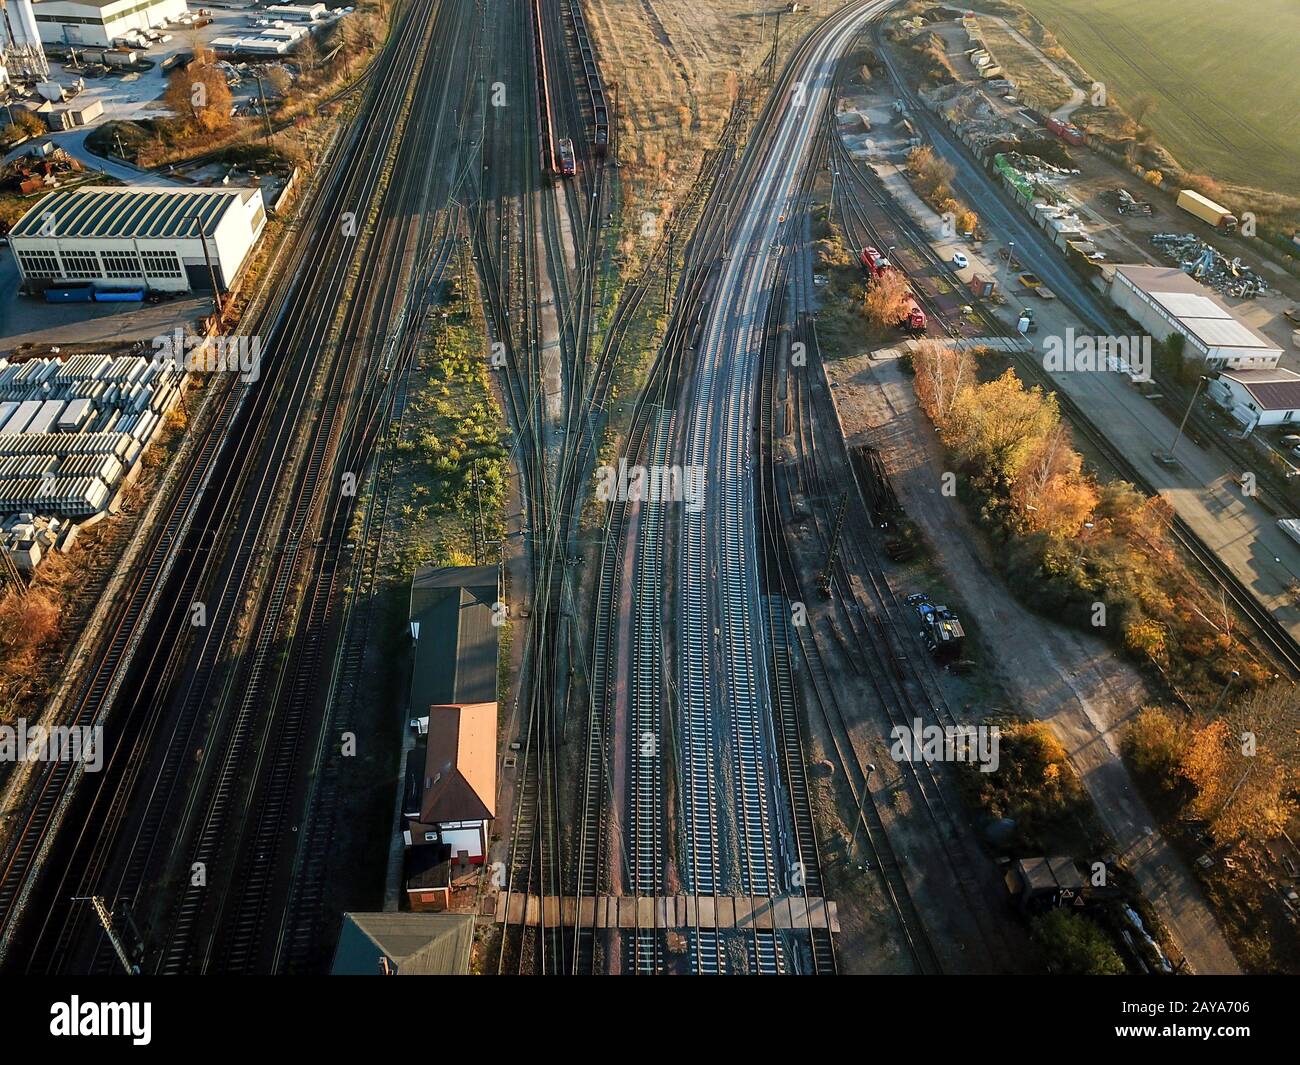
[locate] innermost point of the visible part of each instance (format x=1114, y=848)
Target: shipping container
x=120, y=294
x=74, y=293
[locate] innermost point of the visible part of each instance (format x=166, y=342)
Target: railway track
x=293, y=321
x=695, y=732
x=1280, y=644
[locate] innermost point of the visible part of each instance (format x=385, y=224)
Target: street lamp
x=1186, y=414
x=1083, y=541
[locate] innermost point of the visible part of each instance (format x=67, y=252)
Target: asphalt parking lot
x=27, y=319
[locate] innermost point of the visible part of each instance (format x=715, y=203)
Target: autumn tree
x=199, y=97
x=995, y=428
x=942, y=371
x=933, y=174
x=888, y=298
x=1243, y=765
x=1156, y=742
x=1051, y=493
x=24, y=124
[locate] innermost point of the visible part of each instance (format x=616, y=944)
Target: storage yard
x=72, y=432
x=1098, y=211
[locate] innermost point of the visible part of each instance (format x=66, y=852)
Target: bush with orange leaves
x=1096, y=555
x=27, y=625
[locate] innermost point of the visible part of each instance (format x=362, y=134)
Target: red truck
x=915, y=321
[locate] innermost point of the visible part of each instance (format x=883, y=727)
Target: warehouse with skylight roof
x=167, y=239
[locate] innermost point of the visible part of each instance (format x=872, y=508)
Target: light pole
x=1186, y=414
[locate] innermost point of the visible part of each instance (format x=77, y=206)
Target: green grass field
x=1225, y=75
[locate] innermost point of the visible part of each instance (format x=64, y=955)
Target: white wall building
x=174, y=240
x=101, y=22
x=1258, y=397
x=23, y=54
x=1164, y=300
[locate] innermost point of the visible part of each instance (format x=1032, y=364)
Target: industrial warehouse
x=1164, y=300
x=170, y=240
x=101, y=22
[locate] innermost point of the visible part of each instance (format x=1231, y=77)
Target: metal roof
x=456, y=651
x=413, y=944
x=127, y=212
x=1270, y=389
x=1226, y=333
x=1204, y=315
x=1190, y=305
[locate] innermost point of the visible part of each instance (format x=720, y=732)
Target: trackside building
x=101, y=22
x=172, y=240
x=1164, y=300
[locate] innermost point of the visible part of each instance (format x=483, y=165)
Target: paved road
x=1203, y=490
x=73, y=142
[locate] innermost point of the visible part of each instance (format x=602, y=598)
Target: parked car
x=960, y=261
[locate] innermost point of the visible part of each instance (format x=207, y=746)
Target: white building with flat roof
x=171, y=239
x=101, y=22
x=1164, y=300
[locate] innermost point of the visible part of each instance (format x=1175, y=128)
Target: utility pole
x=105, y=917
x=824, y=578
x=1186, y=414
x=266, y=114
x=207, y=258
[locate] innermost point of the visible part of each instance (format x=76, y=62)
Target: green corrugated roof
x=127, y=212
x=456, y=654
x=417, y=944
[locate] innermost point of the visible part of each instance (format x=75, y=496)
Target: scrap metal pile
x=1203, y=261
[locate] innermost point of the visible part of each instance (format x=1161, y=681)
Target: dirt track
x=1065, y=677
